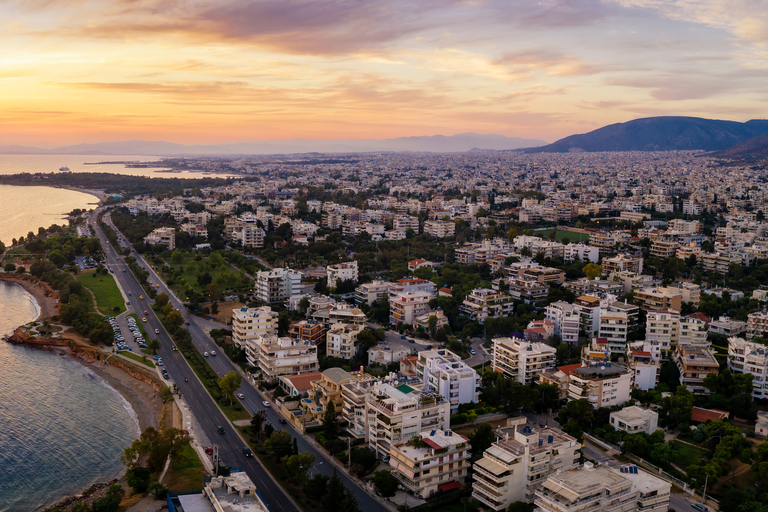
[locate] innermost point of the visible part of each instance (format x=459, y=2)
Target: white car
x=240, y=396
x=205, y=354
x=265, y=404
x=157, y=331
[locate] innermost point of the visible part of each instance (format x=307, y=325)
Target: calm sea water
x=14, y=164
x=62, y=428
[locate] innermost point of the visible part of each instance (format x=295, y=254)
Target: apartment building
x=443, y=371
x=635, y=420
x=285, y=356
x=664, y=248
x=694, y=364
x=162, y=236
x=749, y=357
x=603, y=384
x=323, y=392
x=332, y=220
x=522, y=360
x=518, y=463
x=484, y=303
x=581, y=251
x=412, y=284
x=728, y=326
x=566, y=318
x=693, y=331
x=404, y=223
x=404, y=307
x=434, y=461
x=346, y=271
x=659, y=299
x=245, y=231
x=718, y=262
x=603, y=489
x=589, y=310
x=439, y=228
x=546, y=275
x=341, y=340
x=250, y=323
x=644, y=362
x=690, y=292
x=663, y=327
x=307, y=330
x=394, y=414
x=277, y=285
x=527, y=289
x=757, y=324
x=613, y=328
x=622, y=263
x=603, y=240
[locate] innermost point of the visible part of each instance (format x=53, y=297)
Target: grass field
x=185, y=275
x=105, y=290
x=688, y=454
x=187, y=473
x=573, y=236
x=145, y=361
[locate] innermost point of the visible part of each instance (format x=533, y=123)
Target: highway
x=204, y=408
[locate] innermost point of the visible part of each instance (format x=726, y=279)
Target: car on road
x=157, y=331
x=205, y=354
x=166, y=376
x=174, y=348
x=209, y=450
x=402, y=337
x=127, y=303
x=266, y=403
x=129, y=294
x=247, y=452
x=221, y=430
x=146, y=312
x=472, y=351
x=240, y=396
x=282, y=421
x=144, y=319
x=141, y=297
x=700, y=507
x=213, y=352
x=428, y=347
x=187, y=322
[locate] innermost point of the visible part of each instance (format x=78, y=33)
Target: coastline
x=45, y=296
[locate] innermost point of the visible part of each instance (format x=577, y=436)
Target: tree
x=283, y=323
x=330, y=422
x=298, y=465
x=268, y=430
x=519, y=506
x=680, y=406
x=174, y=320
x=161, y=300
x=138, y=479
x=214, y=292
x=593, y=271
x=481, y=440
x=279, y=443
x=153, y=346
x=366, y=340
x=385, y=483
x=229, y=384
x=257, y=422
x=154, y=447
x=111, y=501
x=177, y=258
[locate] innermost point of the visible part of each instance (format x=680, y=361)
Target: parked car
x=700, y=507
x=209, y=450
x=265, y=404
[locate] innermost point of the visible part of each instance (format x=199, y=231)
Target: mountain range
x=434, y=144
x=660, y=134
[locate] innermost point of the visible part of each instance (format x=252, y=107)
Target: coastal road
x=201, y=404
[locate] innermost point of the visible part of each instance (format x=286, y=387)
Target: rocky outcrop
x=21, y=337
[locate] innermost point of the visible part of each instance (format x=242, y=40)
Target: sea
x=62, y=427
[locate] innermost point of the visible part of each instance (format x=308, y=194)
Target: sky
x=214, y=71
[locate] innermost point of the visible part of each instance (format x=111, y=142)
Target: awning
x=450, y=486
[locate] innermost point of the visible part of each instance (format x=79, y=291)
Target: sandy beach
x=49, y=305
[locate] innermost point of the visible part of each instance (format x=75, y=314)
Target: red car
x=187, y=322
x=209, y=450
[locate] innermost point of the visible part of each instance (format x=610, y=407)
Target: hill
x=752, y=149
x=660, y=134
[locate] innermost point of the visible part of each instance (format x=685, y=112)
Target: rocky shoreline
x=88, y=496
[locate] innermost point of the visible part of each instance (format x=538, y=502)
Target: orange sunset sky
x=219, y=71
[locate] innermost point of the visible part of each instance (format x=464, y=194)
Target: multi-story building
x=603, y=489
x=322, y=392
x=412, y=284
x=346, y=271
x=750, y=357
x=244, y=230
x=285, y=356
x=519, y=461
x=581, y=251
x=250, y=323
x=527, y=289
x=341, y=339
x=332, y=220
x=484, y=303
x=694, y=364
x=664, y=248
x=644, y=361
x=757, y=324
x=635, y=420
x=603, y=384
x=567, y=320
x=663, y=327
x=728, y=326
x=623, y=263
x=443, y=371
x=521, y=360
x=277, y=285
x=603, y=240
x=162, y=236
x=718, y=262
x=613, y=327
x=404, y=307
x=693, y=331
x=439, y=228
x=431, y=462
x=659, y=299
x=405, y=222
x=307, y=330
x=589, y=310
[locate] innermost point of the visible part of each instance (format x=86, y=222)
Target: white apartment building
x=406, y=306
x=522, y=360
x=405, y=222
x=434, y=463
x=368, y=293
x=567, y=319
x=581, y=251
x=484, y=303
x=286, y=356
x=663, y=327
x=749, y=357
x=693, y=331
x=412, y=284
x=604, y=385
x=340, y=340
x=342, y=272
x=589, y=309
x=162, y=236
x=635, y=420
x=694, y=364
x=644, y=361
x=518, y=462
x=439, y=228
x=757, y=324
x=277, y=285
x=613, y=327
x=251, y=323
x=603, y=489
x=443, y=371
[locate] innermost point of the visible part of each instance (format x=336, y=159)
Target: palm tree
x=153, y=346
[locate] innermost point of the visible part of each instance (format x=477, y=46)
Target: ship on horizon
x=63, y=168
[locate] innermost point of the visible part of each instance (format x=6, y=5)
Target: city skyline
x=205, y=72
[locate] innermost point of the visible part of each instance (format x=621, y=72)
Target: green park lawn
x=187, y=474
x=573, y=236
x=103, y=286
x=186, y=272
x=688, y=454
x=147, y=361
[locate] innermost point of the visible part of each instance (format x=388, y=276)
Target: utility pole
x=216, y=459
x=704, y=496
x=349, y=452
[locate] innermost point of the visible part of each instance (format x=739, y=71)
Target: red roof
x=450, y=486
x=568, y=369
x=417, y=262
x=701, y=415
x=701, y=316
x=601, y=341
x=433, y=444
x=642, y=353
